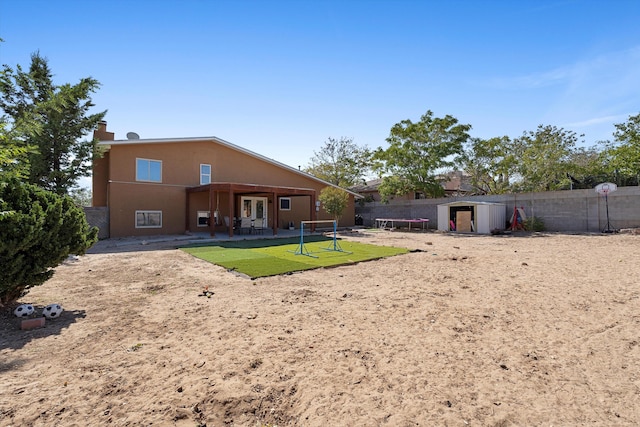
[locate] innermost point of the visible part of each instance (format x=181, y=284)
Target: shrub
x=38, y=230
x=534, y=223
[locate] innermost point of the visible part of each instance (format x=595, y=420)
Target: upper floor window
x=205, y=174
x=148, y=170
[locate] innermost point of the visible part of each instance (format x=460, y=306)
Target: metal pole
x=606, y=202
x=301, y=236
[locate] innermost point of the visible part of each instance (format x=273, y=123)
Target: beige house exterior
x=182, y=185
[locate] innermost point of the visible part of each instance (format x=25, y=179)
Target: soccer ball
x=52, y=311
x=24, y=310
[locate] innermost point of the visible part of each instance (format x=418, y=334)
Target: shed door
x=463, y=221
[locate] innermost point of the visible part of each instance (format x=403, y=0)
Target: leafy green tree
x=489, y=163
x=417, y=151
x=60, y=156
x=39, y=230
x=334, y=201
x=587, y=167
x=340, y=162
x=625, y=152
x=542, y=159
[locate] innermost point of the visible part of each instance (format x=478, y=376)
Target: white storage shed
x=471, y=217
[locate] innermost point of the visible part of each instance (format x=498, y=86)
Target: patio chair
x=245, y=225
x=258, y=225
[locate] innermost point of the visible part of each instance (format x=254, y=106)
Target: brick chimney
x=100, y=170
x=101, y=133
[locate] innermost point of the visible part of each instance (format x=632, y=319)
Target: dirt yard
x=466, y=330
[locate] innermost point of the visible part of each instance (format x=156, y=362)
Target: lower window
x=203, y=218
x=148, y=219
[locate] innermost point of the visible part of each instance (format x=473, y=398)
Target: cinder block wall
x=98, y=217
x=571, y=210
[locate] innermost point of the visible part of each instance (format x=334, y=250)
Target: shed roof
x=467, y=203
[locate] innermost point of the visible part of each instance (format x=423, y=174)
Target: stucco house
x=200, y=184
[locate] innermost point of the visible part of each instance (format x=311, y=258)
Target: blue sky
x=281, y=77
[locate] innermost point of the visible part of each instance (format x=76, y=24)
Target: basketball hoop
x=605, y=189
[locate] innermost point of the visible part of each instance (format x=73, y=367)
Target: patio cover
x=234, y=189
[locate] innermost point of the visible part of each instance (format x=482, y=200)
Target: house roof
x=108, y=144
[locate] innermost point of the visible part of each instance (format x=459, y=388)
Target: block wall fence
x=569, y=210
x=98, y=217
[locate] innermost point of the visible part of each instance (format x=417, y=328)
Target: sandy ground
x=523, y=330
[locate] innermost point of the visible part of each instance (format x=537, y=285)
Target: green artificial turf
x=260, y=258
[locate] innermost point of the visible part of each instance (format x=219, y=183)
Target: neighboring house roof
x=107, y=145
x=368, y=186
x=455, y=181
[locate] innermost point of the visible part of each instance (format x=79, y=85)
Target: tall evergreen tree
x=60, y=155
x=14, y=153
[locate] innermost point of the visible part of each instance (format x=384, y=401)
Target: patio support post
x=212, y=224
x=232, y=206
x=313, y=212
x=276, y=220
